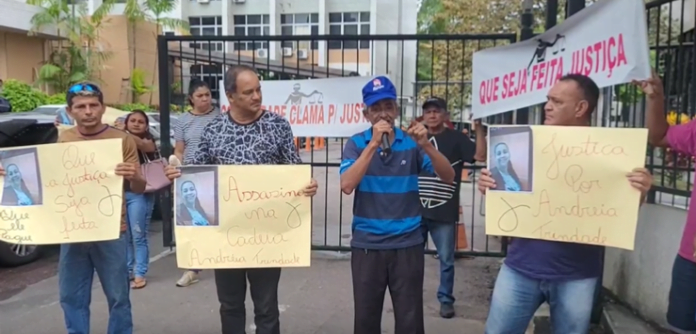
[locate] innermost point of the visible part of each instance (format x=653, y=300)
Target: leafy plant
x=22, y=96
x=138, y=86
x=56, y=99
x=134, y=106
x=76, y=55
x=154, y=11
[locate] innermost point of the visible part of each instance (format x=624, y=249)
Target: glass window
x=335, y=30
x=350, y=29
x=208, y=20
x=239, y=19
x=194, y=21
x=266, y=19
x=315, y=18
x=301, y=18
x=285, y=18
x=335, y=18
x=350, y=17
x=253, y=19
x=286, y=31
x=239, y=31
x=365, y=17
x=209, y=31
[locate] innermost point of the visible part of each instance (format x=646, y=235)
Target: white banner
x=606, y=41
x=317, y=107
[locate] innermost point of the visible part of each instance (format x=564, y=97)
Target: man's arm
x=130, y=155
x=288, y=150
x=201, y=156
x=481, y=144
x=434, y=162
x=354, y=165
x=681, y=137
x=656, y=120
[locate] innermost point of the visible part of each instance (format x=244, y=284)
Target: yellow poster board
x=242, y=216
x=564, y=183
x=61, y=193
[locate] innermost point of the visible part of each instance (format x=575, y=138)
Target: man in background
x=440, y=200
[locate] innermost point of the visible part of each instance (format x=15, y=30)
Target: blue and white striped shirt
x=386, y=207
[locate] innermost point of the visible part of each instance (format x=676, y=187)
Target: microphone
x=386, y=145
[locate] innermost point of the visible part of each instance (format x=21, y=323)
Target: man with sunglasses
x=79, y=261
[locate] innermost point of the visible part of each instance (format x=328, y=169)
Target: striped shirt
x=188, y=129
x=386, y=205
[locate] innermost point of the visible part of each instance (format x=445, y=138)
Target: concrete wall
x=129, y=45
x=642, y=277
x=21, y=56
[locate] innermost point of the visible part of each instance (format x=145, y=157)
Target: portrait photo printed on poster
x=197, y=197
x=510, y=158
x=22, y=177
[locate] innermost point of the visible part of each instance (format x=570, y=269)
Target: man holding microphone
x=382, y=165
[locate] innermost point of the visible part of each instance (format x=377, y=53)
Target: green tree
x=152, y=11
x=76, y=55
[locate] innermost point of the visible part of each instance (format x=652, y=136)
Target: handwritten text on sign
x=580, y=192
x=264, y=220
x=69, y=193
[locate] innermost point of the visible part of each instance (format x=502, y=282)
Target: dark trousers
x=231, y=289
x=401, y=270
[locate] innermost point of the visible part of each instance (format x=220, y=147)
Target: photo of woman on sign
x=504, y=174
x=510, y=158
x=21, y=179
x=197, y=198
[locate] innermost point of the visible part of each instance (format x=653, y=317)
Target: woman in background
x=187, y=133
x=16, y=191
x=139, y=206
x=503, y=173
x=190, y=211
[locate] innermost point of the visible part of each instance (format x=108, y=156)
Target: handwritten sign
x=579, y=191
x=242, y=217
x=61, y=193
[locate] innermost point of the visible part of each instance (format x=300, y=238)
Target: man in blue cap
x=387, y=244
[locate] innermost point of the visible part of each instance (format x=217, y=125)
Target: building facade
x=304, y=17
x=21, y=55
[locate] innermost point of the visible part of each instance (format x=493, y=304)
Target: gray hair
x=233, y=73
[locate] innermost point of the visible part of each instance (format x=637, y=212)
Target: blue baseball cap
x=378, y=89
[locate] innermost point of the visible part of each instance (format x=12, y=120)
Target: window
x=251, y=25
x=299, y=25
x=355, y=23
x=206, y=26
x=210, y=74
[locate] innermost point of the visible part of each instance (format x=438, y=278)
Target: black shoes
x=446, y=311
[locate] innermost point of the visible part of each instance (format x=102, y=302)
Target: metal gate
x=419, y=65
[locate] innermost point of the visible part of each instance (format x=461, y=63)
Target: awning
x=232, y=58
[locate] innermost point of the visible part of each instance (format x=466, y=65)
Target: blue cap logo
x=379, y=88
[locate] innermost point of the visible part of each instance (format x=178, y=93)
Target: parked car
x=20, y=129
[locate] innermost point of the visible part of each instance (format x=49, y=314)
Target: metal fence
x=419, y=65
x=672, y=54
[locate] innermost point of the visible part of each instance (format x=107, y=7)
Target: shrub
x=56, y=99
x=133, y=106
x=22, y=96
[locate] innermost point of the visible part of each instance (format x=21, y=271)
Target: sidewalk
x=314, y=300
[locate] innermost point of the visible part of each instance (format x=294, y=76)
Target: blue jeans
x=517, y=297
x=139, y=212
x=76, y=268
x=443, y=234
